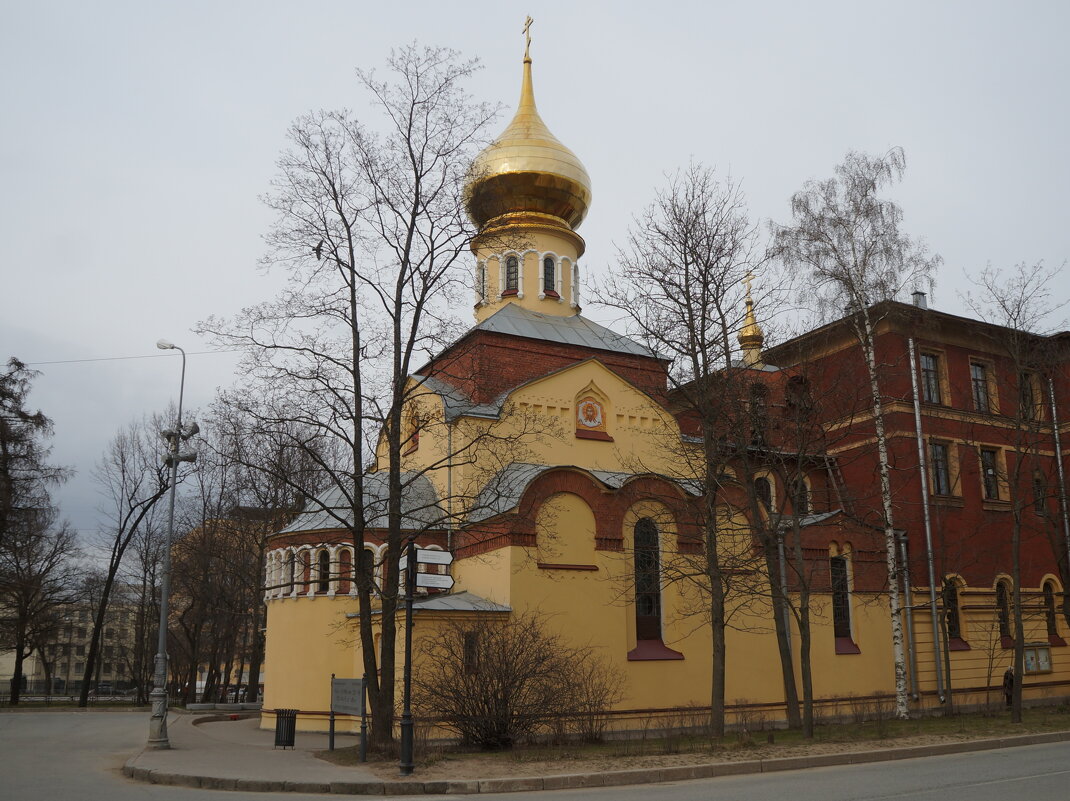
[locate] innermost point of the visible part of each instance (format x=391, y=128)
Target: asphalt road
x=63, y=756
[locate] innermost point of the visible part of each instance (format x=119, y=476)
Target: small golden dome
x=751, y=336
x=527, y=169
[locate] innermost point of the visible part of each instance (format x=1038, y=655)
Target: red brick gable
x=485, y=364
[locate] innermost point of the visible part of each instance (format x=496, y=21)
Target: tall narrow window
x=938, y=454
x=800, y=496
x=1040, y=494
x=549, y=276
x=763, y=490
x=758, y=414
x=798, y=398
x=647, y=581
x=323, y=570
x=950, y=594
x=979, y=383
x=471, y=652
x=481, y=282
x=1049, y=609
x=990, y=474
x=291, y=570
x=345, y=571
x=1027, y=397
x=841, y=597
x=1003, y=612
x=930, y=378
x=512, y=274
x=367, y=568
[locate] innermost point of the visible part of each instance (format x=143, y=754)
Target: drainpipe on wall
x=910, y=616
x=1059, y=467
x=449, y=486
x=923, y=477
x=784, y=589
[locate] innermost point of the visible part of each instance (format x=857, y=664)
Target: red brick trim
x=1056, y=641
x=845, y=645
x=957, y=644
x=652, y=651
x=599, y=435
x=552, y=566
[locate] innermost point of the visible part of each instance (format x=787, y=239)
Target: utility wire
x=124, y=358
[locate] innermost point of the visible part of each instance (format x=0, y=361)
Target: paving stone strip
x=577, y=780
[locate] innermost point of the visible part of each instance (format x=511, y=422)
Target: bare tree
x=265, y=502
x=132, y=477
x=1020, y=303
x=847, y=239
x=140, y=576
x=36, y=564
x=372, y=229
x=679, y=285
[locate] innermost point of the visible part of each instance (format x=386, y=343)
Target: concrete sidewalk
x=238, y=755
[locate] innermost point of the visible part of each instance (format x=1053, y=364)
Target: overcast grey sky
x=136, y=139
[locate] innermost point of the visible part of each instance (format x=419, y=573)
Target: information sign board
x=347, y=696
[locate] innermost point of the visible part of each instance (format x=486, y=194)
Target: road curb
x=568, y=781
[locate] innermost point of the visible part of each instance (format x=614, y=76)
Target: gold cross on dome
x=527, y=34
x=747, y=281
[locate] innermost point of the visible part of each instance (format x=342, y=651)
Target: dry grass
x=681, y=746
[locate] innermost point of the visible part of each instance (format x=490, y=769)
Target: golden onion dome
x=527, y=170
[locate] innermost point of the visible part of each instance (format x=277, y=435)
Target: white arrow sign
x=426, y=556
x=434, y=580
x=429, y=557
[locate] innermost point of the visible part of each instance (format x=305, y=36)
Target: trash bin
x=285, y=727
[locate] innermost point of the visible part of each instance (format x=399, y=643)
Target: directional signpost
x=413, y=579
x=426, y=556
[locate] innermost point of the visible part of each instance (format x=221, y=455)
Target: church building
x=546, y=453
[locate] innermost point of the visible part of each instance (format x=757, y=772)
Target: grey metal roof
x=513, y=319
x=458, y=602
x=420, y=507
x=765, y=368
x=504, y=491
x=811, y=519
x=447, y=602
x=456, y=404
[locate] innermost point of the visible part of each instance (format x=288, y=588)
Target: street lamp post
x=406, y=709
x=69, y=621
x=158, y=697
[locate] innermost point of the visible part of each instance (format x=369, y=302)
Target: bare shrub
x=597, y=689
x=748, y=722
x=499, y=682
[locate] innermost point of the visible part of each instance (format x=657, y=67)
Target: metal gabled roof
x=420, y=507
x=517, y=321
x=447, y=602
x=457, y=602
x=455, y=403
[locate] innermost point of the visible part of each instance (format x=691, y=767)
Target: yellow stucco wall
x=308, y=639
